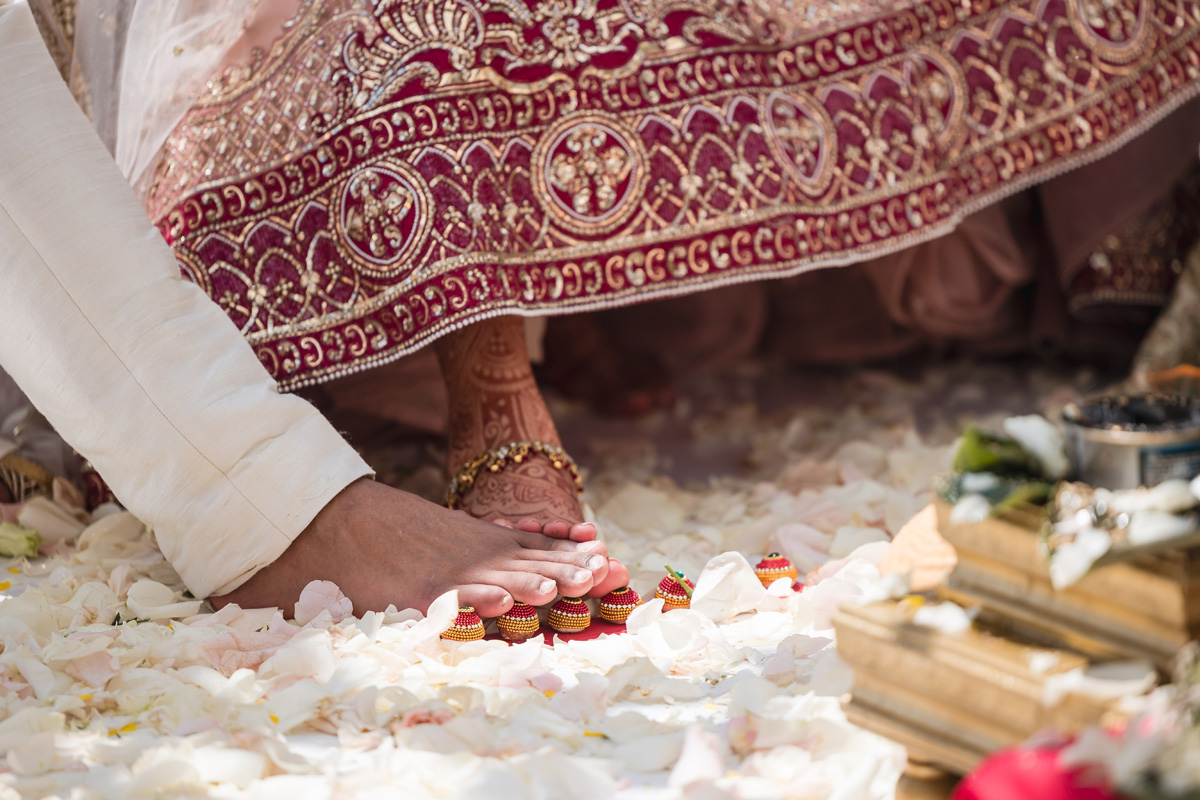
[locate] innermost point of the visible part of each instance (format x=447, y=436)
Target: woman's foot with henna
x=495, y=400
x=384, y=547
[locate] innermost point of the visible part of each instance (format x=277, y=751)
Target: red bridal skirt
x=391, y=171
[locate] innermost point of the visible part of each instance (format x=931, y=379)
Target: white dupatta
x=137, y=66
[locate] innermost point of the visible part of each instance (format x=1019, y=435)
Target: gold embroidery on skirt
x=390, y=171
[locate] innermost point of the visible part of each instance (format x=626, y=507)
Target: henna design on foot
x=494, y=399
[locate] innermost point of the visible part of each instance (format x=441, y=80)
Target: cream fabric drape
x=133, y=365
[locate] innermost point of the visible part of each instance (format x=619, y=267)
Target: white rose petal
x=320, y=596
x=1173, y=496
x=1072, y=560
x=946, y=618
x=1147, y=527
x=970, y=509
x=1041, y=438
x=151, y=600
x=52, y=522
x=727, y=587
x=701, y=760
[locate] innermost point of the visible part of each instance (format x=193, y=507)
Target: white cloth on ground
x=132, y=364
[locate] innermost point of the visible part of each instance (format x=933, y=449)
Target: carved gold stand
x=1147, y=607
x=952, y=700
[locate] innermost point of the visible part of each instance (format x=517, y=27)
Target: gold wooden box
x=951, y=700
x=1147, y=607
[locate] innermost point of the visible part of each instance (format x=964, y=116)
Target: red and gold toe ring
x=569, y=615
x=617, y=605
x=467, y=626
x=518, y=623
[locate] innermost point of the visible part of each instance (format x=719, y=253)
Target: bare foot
x=385, y=547
x=494, y=400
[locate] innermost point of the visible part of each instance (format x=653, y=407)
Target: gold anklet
x=498, y=458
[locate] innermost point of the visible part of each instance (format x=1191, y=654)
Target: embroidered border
x=635, y=152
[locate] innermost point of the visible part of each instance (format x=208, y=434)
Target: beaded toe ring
x=499, y=458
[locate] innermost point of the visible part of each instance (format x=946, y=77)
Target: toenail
x=546, y=586
x=596, y=562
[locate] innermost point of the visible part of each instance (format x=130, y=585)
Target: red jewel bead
x=467, y=626
x=774, y=567
x=672, y=594
x=569, y=615
x=617, y=605
x=519, y=622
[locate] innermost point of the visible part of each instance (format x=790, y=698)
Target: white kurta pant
x=133, y=365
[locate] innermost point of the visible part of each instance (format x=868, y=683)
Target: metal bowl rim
x=1133, y=438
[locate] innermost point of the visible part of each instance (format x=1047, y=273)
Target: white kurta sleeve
x=135, y=366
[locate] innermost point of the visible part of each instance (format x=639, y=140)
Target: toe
x=563, y=546
x=580, y=559
x=488, y=601
x=582, y=532
x=540, y=543
x=526, y=587
x=617, y=577
x=571, y=579
x=559, y=529
x=529, y=525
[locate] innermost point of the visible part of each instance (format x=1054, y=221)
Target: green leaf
x=17, y=541
x=1025, y=493
x=982, y=452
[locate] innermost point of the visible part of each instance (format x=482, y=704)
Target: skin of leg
x=494, y=399
x=383, y=547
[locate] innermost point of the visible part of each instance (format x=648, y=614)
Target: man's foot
x=494, y=400
x=385, y=547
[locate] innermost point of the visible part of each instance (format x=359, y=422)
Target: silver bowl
x=1114, y=448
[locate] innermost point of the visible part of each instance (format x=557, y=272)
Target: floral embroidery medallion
x=384, y=214
x=591, y=173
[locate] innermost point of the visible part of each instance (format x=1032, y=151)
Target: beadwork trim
x=499, y=458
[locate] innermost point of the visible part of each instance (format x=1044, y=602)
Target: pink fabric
x=1098, y=199
x=959, y=286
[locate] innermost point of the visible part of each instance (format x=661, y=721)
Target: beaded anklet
x=498, y=458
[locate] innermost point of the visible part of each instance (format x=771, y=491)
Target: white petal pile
x=114, y=683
